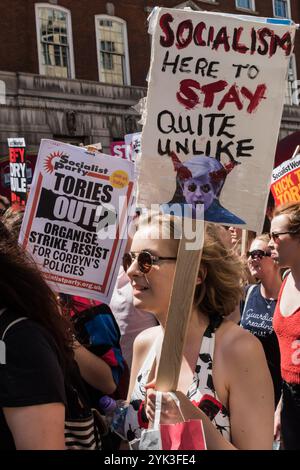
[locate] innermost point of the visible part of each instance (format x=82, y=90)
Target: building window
x=292, y=91
x=112, y=50
x=281, y=8
x=54, y=37
x=245, y=4
x=191, y=4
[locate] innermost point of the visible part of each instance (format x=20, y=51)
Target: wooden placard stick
x=296, y=152
x=244, y=242
x=179, y=314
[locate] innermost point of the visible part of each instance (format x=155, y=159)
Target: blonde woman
x=224, y=378
x=260, y=303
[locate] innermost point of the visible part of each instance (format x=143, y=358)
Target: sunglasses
x=145, y=260
x=257, y=254
x=276, y=235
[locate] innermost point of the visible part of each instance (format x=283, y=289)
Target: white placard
x=214, y=105
x=76, y=218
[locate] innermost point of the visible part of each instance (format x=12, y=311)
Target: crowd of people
x=240, y=372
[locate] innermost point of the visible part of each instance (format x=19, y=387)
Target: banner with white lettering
x=76, y=219
x=214, y=104
x=17, y=166
x=118, y=149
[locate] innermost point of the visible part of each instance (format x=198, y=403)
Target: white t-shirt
x=131, y=320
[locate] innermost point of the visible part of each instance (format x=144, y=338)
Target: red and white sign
x=118, y=149
x=215, y=82
x=285, y=185
x=17, y=165
x=76, y=219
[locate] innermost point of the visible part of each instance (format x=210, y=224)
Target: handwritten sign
x=216, y=82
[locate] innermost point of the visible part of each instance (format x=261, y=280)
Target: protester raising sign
x=285, y=185
x=76, y=218
x=216, y=81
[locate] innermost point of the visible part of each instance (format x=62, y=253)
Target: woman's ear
x=201, y=275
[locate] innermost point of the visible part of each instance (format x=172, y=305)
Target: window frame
x=288, y=10
x=50, y=6
x=294, y=101
x=192, y=4
x=126, y=49
x=252, y=8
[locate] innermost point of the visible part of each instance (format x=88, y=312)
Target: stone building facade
x=73, y=70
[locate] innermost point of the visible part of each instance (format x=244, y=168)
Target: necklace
x=269, y=302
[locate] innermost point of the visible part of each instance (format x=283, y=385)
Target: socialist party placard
x=76, y=219
x=285, y=183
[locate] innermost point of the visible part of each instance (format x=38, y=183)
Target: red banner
x=118, y=149
x=5, y=174
x=17, y=165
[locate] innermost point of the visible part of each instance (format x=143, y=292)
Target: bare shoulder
x=239, y=346
x=141, y=347
x=145, y=339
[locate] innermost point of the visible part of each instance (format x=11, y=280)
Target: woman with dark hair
x=285, y=250
x=39, y=383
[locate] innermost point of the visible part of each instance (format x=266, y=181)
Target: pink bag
x=187, y=435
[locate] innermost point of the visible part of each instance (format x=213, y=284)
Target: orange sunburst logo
x=48, y=164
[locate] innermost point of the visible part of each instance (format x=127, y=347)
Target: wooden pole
x=296, y=152
x=244, y=242
x=179, y=314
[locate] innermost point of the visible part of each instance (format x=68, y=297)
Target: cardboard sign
x=285, y=185
x=76, y=218
x=5, y=174
x=17, y=167
x=216, y=81
x=133, y=145
x=118, y=149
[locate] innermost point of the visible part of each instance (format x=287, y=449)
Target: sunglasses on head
x=145, y=260
x=254, y=254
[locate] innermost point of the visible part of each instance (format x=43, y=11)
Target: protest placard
x=76, y=218
x=17, y=165
x=133, y=145
x=285, y=184
x=118, y=149
x=215, y=82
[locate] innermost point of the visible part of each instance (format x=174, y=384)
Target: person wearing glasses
x=260, y=302
x=285, y=250
x=224, y=378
